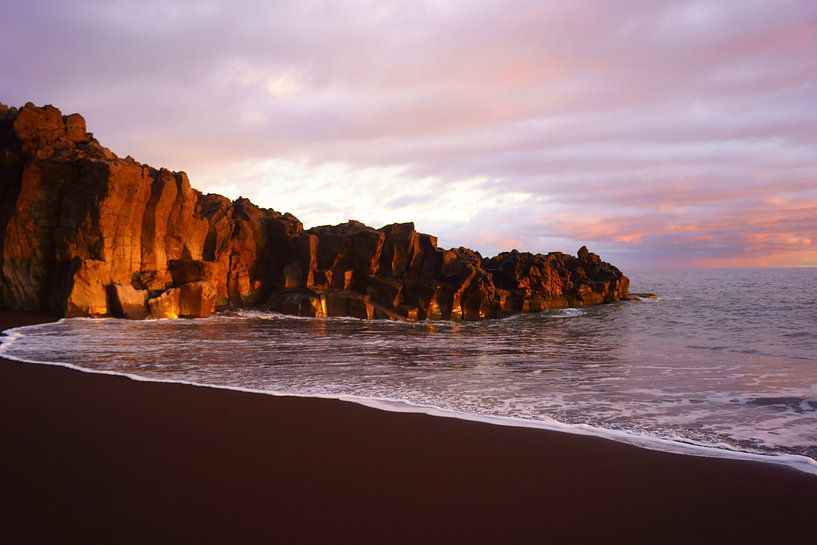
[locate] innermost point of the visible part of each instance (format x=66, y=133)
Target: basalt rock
x=197, y=300
x=125, y=301
x=535, y=282
x=87, y=233
x=165, y=305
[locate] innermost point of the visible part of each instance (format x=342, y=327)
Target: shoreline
x=797, y=462
x=97, y=457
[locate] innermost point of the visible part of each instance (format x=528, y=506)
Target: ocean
x=723, y=363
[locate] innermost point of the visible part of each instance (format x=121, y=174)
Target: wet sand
x=101, y=459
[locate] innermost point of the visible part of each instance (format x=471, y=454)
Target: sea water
x=723, y=363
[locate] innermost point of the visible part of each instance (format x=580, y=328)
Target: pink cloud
x=685, y=131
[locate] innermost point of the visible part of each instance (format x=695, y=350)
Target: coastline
x=678, y=446
x=103, y=458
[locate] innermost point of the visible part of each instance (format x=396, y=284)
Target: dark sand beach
x=101, y=459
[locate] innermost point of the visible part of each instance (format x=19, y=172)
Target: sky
x=660, y=133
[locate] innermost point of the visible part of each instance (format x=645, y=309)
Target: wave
x=672, y=444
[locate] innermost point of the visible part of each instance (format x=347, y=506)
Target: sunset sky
x=659, y=133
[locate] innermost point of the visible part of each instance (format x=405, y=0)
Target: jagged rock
x=197, y=300
x=165, y=305
x=183, y=271
x=40, y=127
x=85, y=232
x=127, y=302
x=87, y=295
x=398, y=248
x=153, y=281
x=587, y=257
x=75, y=128
x=343, y=256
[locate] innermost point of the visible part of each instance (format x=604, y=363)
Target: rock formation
x=86, y=233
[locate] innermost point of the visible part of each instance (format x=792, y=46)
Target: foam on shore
x=672, y=445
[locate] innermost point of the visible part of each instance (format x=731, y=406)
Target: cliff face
x=85, y=233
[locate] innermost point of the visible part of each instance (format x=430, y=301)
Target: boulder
x=87, y=295
x=165, y=305
x=125, y=301
x=196, y=300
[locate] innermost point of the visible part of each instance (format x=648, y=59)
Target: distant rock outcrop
x=86, y=233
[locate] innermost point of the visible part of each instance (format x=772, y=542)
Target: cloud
x=378, y=196
x=656, y=131
x=282, y=86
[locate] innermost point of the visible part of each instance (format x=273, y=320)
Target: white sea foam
x=679, y=445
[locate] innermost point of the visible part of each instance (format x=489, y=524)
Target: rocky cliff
x=86, y=233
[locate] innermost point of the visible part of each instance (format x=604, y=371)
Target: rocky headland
x=87, y=233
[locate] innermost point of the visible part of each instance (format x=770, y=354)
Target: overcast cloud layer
x=660, y=133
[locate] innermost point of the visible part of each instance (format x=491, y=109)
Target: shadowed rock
x=87, y=233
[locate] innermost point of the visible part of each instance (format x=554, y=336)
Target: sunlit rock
x=88, y=294
x=165, y=305
x=124, y=301
x=197, y=300
x=88, y=233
